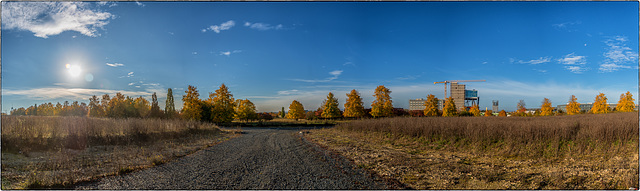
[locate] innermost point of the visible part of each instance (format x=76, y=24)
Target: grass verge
x=569, y=152
x=58, y=152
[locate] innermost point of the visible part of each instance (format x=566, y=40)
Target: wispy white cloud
x=540, y=60
x=114, y=64
x=194, y=53
x=131, y=84
x=618, y=55
x=130, y=74
x=228, y=53
x=566, y=26
x=53, y=93
x=46, y=19
x=217, y=28
x=263, y=26
x=574, y=63
x=139, y=4
x=334, y=76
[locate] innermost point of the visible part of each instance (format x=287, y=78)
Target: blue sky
x=273, y=53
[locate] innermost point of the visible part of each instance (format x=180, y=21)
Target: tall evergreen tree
x=169, y=108
x=155, y=111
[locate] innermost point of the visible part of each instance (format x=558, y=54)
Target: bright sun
x=74, y=70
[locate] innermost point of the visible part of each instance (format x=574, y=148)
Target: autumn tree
x=245, y=110
x=475, y=110
x=546, y=109
x=141, y=106
x=431, y=106
x=382, y=105
x=169, y=107
x=626, y=103
x=353, y=107
x=573, y=107
x=155, y=111
x=330, y=107
x=191, y=108
x=95, y=109
x=449, y=108
x=502, y=113
x=600, y=104
x=488, y=113
x=222, y=102
x=296, y=111
x=521, y=108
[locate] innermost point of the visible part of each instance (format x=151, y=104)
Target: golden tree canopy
x=191, y=108
x=475, y=110
x=330, y=107
x=382, y=106
x=296, y=110
x=353, y=107
x=600, y=104
x=431, y=106
x=488, y=113
x=546, y=109
x=449, y=108
x=223, y=103
x=626, y=103
x=502, y=113
x=573, y=107
x=245, y=110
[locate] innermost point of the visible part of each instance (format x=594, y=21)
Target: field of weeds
x=56, y=152
x=563, y=152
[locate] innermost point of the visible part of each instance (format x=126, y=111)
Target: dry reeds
x=515, y=136
x=31, y=133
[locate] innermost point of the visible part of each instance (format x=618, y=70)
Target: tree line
x=221, y=107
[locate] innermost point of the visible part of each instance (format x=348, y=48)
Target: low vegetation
x=50, y=151
x=555, y=152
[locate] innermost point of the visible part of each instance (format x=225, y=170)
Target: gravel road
x=261, y=158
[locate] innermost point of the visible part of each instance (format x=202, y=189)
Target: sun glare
x=74, y=70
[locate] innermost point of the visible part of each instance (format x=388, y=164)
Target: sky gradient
x=273, y=53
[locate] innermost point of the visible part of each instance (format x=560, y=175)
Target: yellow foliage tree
x=245, y=110
x=330, y=107
x=573, y=107
x=488, y=113
x=142, y=106
x=296, y=111
x=353, y=107
x=502, y=113
x=626, y=103
x=223, y=103
x=191, y=107
x=431, y=106
x=546, y=109
x=475, y=110
x=600, y=105
x=449, y=108
x=382, y=106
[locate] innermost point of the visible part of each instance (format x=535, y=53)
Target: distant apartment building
x=417, y=104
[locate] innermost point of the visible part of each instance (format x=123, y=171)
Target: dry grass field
x=56, y=152
x=560, y=152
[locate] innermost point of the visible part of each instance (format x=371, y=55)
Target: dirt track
x=261, y=158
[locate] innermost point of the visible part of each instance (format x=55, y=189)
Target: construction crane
x=447, y=82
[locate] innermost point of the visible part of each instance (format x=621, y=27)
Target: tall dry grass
x=41, y=133
x=555, y=136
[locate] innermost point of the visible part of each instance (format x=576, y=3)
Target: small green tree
x=282, y=113
x=449, y=108
x=169, y=108
x=431, y=106
x=296, y=111
x=330, y=107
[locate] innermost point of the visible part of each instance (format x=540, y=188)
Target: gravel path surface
x=261, y=158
